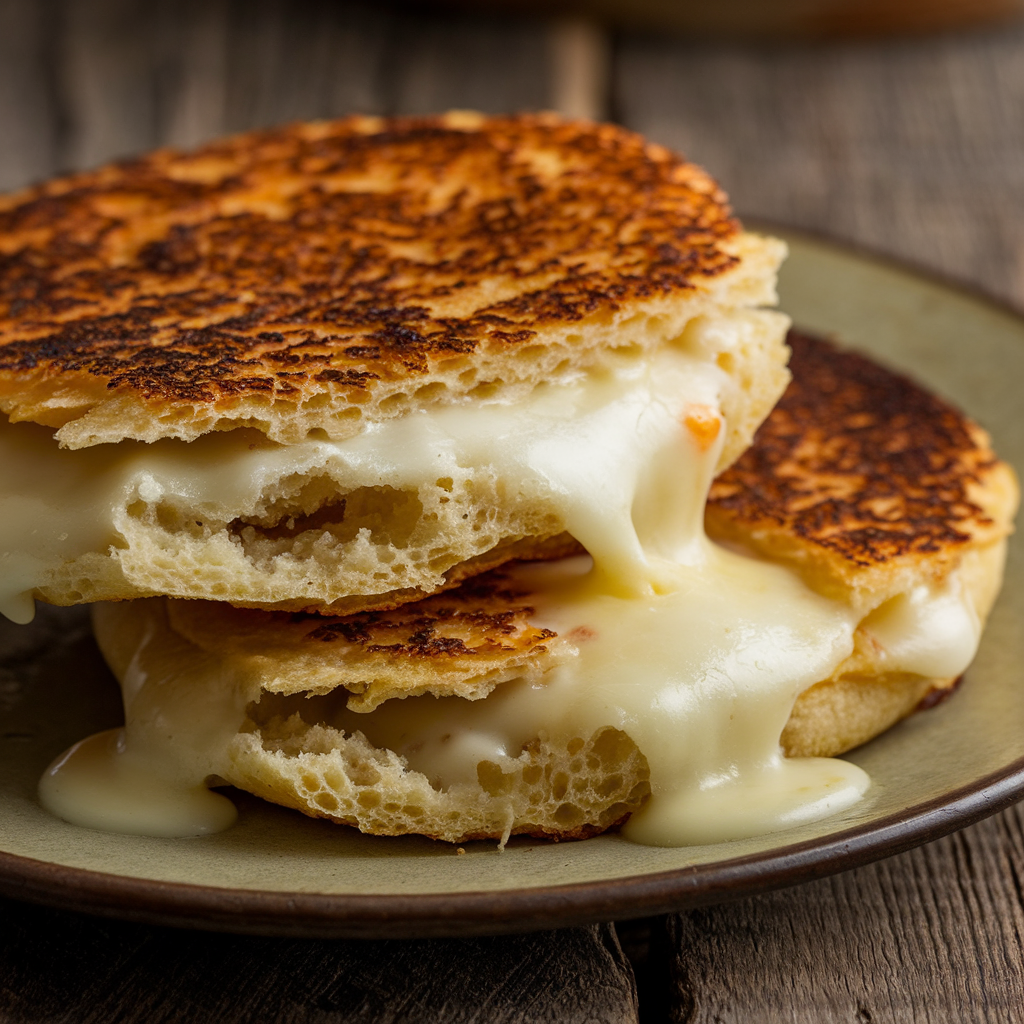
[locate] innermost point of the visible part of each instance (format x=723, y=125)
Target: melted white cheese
x=602, y=453
x=104, y=784
x=150, y=778
x=931, y=631
x=702, y=678
x=695, y=652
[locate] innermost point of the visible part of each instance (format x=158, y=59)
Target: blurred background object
x=580, y=68
x=762, y=18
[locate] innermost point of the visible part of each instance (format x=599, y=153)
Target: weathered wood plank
x=307, y=59
x=28, y=126
x=932, y=936
x=57, y=966
x=494, y=65
x=580, y=54
x=913, y=146
x=107, y=86
x=131, y=76
x=190, y=47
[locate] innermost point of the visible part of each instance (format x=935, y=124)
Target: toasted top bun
x=409, y=509
x=861, y=480
x=320, y=276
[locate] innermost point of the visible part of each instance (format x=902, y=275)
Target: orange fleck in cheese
x=704, y=423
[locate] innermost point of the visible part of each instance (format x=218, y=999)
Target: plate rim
x=949, y=280
x=503, y=911
x=492, y=912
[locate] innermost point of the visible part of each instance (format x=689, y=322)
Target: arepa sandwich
x=333, y=366
x=387, y=444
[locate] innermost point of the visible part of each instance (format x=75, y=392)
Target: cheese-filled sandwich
x=386, y=445
x=866, y=530
x=344, y=365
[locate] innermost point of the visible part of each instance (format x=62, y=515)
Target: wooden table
x=915, y=147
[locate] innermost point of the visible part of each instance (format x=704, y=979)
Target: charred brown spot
x=482, y=616
x=855, y=459
x=938, y=694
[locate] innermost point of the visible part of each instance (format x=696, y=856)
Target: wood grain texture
x=930, y=937
x=61, y=967
x=914, y=147
x=308, y=59
x=29, y=128
x=492, y=65
x=191, y=48
x=106, y=64
x=86, y=81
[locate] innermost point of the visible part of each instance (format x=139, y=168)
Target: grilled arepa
x=240, y=348
x=885, y=500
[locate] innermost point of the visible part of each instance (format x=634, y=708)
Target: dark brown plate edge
x=321, y=915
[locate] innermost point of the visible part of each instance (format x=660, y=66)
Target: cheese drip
x=695, y=652
x=702, y=678
x=595, y=452
x=150, y=778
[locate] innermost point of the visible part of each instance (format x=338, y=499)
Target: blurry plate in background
x=758, y=18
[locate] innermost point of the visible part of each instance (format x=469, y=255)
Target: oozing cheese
x=933, y=631
x=590, y=453
x=702, y=678
x=695, y=652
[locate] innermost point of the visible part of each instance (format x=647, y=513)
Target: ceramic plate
x=277, y=872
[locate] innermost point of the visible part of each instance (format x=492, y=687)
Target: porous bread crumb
x=564, y=789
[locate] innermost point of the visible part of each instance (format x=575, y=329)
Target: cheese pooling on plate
x=696, y=652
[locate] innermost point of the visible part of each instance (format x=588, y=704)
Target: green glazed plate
x=277, y=872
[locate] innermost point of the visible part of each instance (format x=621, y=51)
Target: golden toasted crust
x=237, y=283
x=863, y=479
x=464, y=644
